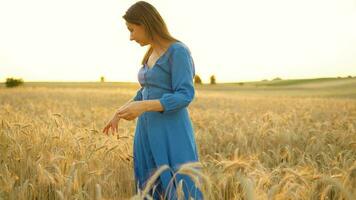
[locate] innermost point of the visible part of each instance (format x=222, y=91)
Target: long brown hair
x=143, y=13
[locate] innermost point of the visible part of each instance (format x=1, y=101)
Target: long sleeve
x=182, y=74
x=138, y=96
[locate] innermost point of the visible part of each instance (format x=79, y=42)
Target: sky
x=235, y=40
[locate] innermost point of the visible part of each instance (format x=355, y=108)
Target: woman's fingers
x=112, y=129
x=105, y=129
x=113, y=124
x=116, y=128
x=108, y=130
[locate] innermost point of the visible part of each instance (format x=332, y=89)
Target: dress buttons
x=146, y=86
x=148, y=92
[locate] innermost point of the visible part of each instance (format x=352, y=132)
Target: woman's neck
x=160, y=46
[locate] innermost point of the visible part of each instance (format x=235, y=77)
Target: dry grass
x=251, y=146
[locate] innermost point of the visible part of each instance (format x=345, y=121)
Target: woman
x=164, y=134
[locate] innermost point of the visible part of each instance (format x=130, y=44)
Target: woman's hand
x=113, y=124
x=128, y=111
x=131, y=110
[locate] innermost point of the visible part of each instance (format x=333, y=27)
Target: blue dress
x=166, y=137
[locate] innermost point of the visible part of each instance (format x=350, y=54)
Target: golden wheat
x=251, y=145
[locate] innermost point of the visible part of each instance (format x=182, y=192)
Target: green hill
x=318, y=87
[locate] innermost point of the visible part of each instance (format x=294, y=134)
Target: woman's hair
x=143, y=13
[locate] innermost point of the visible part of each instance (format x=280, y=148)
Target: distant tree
x=241, y=83
x=212, y=79
x=277, y=79
x=349, y=76
x=264, y=80
x=102, y=79
x=12, y=82
x=197, y=79
x=338, y=77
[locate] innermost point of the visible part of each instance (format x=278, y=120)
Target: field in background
x=259, y=140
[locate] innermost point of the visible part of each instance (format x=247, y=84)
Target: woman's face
x=137, y=33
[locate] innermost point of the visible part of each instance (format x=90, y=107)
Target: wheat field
x=253, y=144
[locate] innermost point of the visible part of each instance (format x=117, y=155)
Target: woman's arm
x=137, y=97
x=182, y=74
x=152, y=105
x=136, y=108
x=129, y=101
x=124, y=106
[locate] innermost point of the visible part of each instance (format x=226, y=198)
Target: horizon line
x=136, y=82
